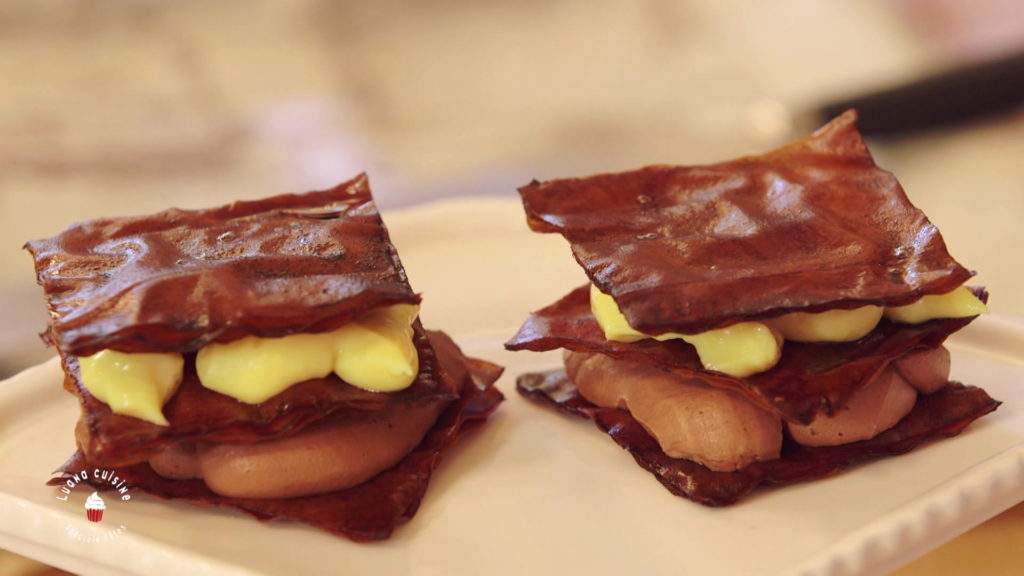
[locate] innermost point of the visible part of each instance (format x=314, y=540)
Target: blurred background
x=116, y=107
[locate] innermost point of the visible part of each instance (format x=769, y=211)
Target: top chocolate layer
x=810, y=226
x=178, y=279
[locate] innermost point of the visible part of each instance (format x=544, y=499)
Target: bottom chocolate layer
x=369, y=511
x=942, y=414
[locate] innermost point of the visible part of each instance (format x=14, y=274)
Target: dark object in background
x=960, y=95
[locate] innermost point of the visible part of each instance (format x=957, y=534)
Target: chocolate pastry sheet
x=811, y=226
x=369, y=511
x=809, y=378
x=942, y=414
x=197, y=414
x=178, y=279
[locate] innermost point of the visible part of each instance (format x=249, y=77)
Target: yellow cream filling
x=740, y=349
x=837, y=325
x=750, y=347
x=132, y=384
x=958, y=303
x=375, y=352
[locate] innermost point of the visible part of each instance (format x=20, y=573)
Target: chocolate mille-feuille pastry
x=264, y=356
x=764, y=320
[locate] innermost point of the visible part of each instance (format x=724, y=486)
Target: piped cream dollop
x=375, y=352
x=748, y=348
x=829, y=326
x=739, y=350
x=136, y=384
x=957, y=303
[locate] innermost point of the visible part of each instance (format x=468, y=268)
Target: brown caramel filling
x=321, y=459
x=726, y=432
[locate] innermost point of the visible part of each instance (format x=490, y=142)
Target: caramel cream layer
x=723, y=430
x=323, y=459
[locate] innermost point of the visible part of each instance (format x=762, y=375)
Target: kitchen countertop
x=128, y=107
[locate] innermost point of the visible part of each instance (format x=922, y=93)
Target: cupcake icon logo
x=94, y=507
x=104, y=513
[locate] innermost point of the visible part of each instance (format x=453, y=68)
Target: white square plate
x=533, y=492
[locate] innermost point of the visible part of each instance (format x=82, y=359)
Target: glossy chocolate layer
x=811, y=226
x=944, y=413
x=176, y=280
